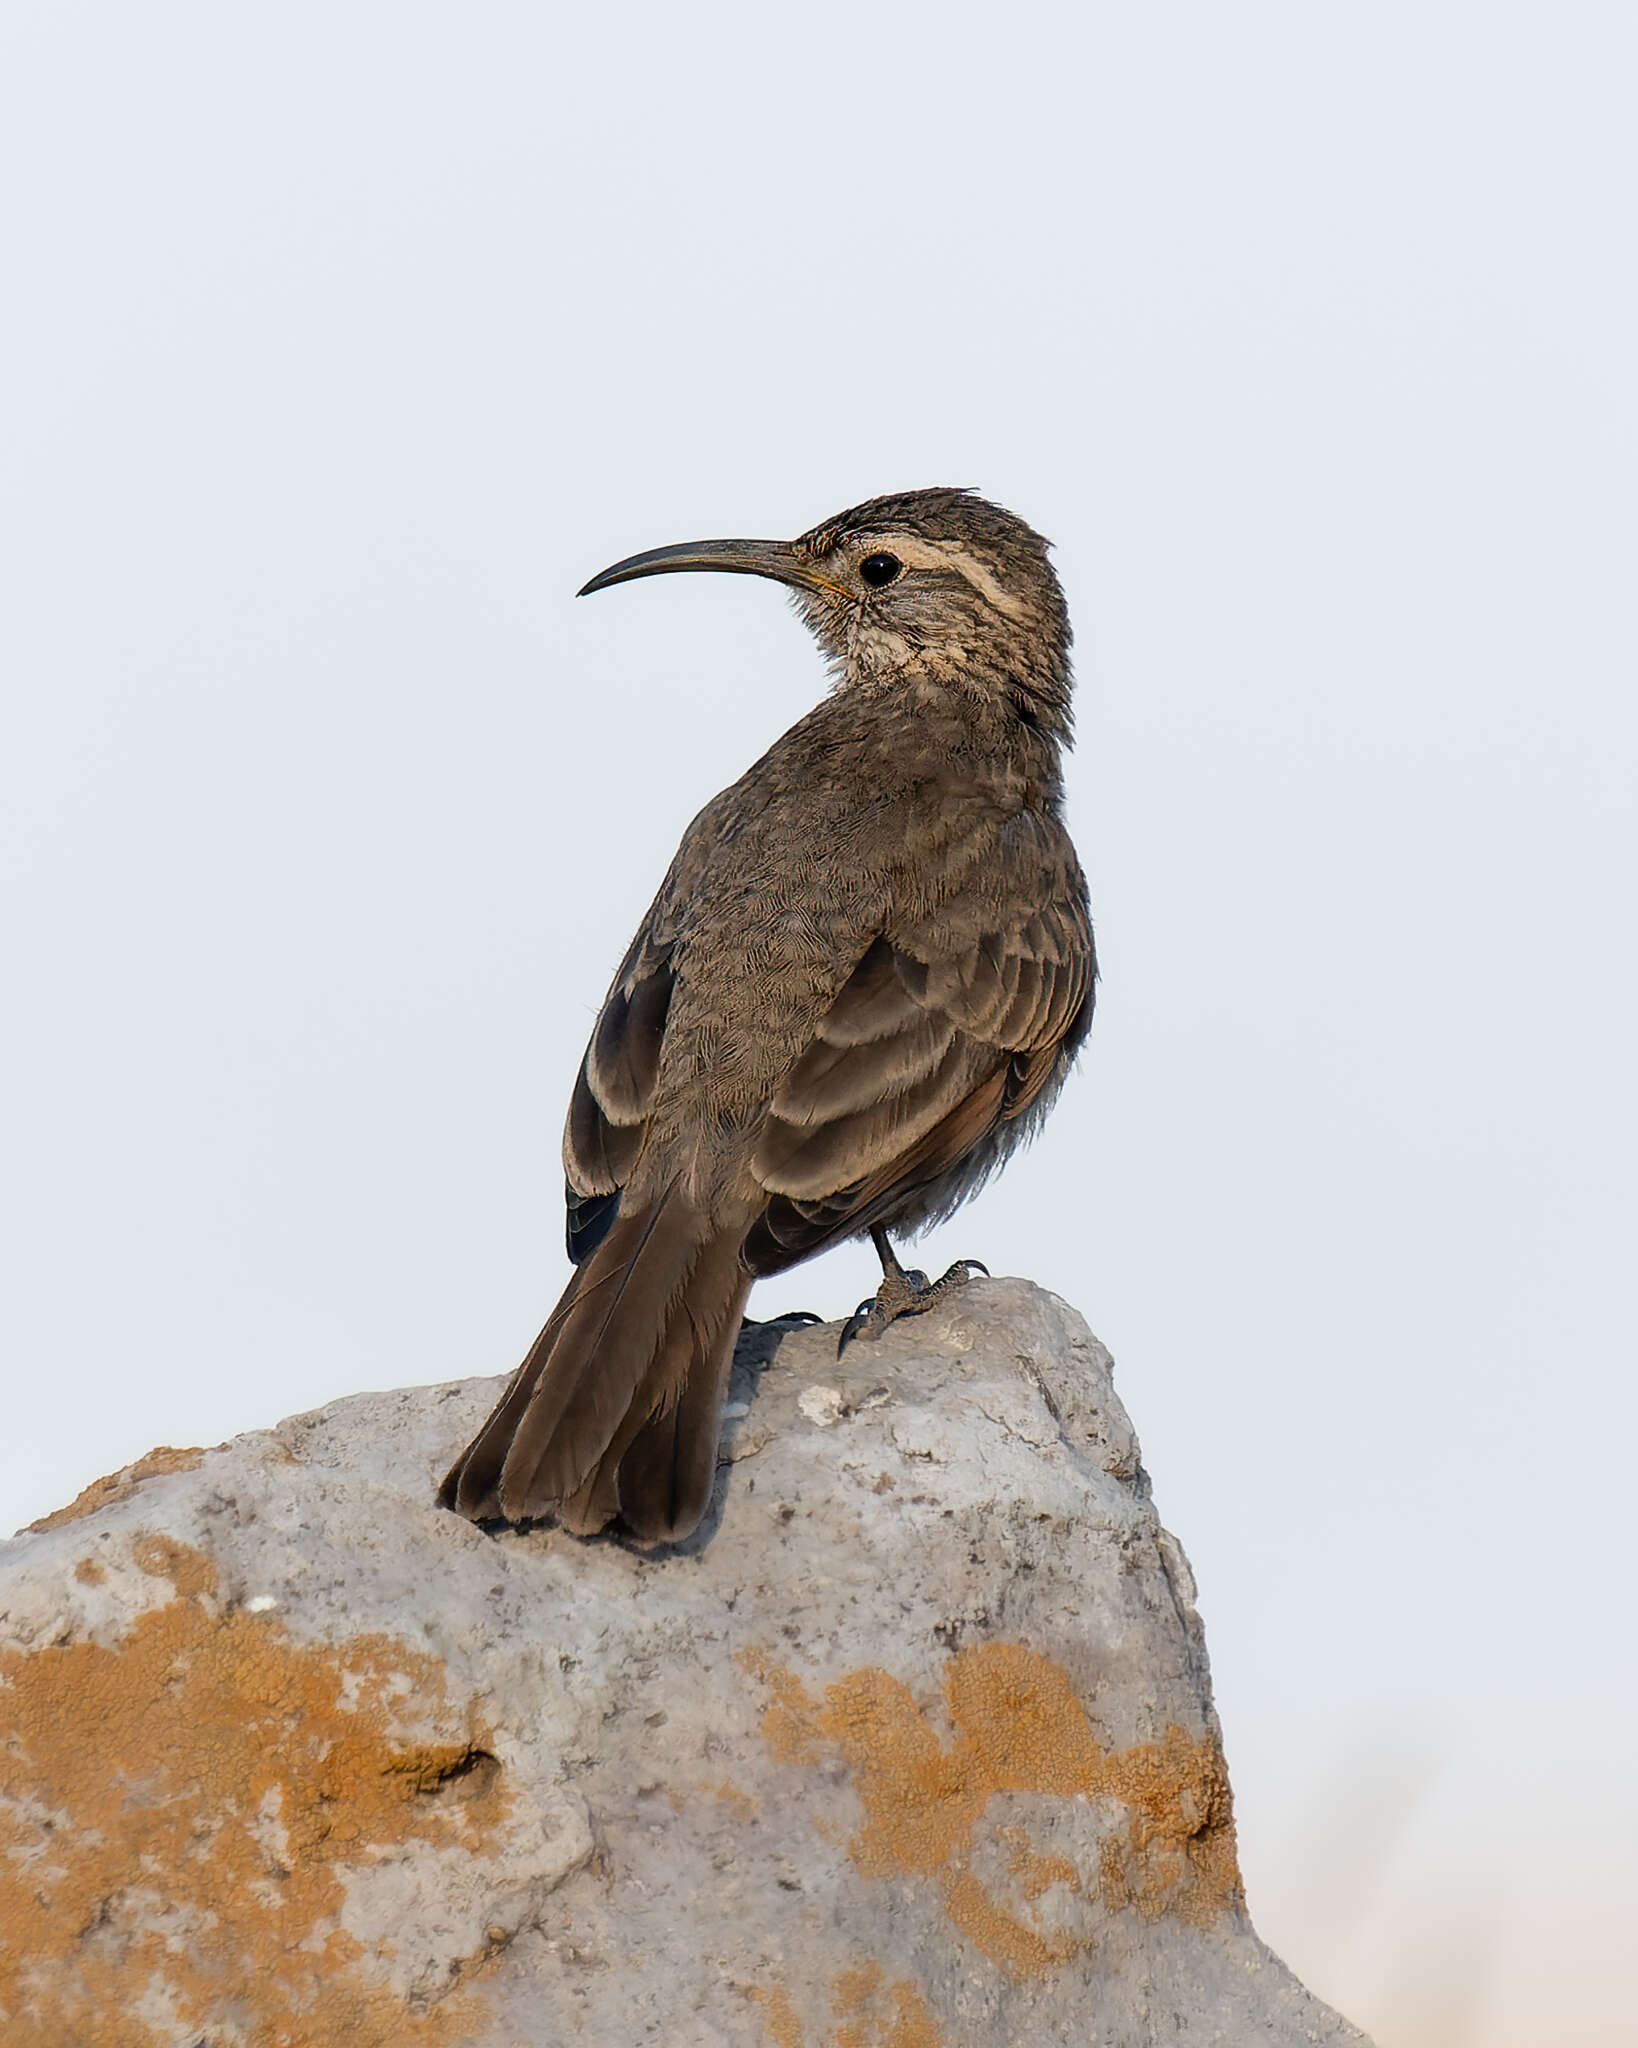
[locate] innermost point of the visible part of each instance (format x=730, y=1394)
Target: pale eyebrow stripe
x=915, y=553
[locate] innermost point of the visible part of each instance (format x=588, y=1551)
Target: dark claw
x=854, y=1324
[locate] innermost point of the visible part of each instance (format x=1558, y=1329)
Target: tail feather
x=635, y=1352
x=666, y=1477
x=472, y=1485
x=597, y=1501
x=667, y=1471
x=600, y=1353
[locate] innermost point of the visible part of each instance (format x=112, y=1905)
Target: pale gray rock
x=912, y=1744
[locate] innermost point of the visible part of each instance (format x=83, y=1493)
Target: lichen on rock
x=911, y=1745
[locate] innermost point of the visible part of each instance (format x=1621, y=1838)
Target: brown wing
x=934, y=1043
x=614, y=1091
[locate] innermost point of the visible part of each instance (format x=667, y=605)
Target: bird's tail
x=617, y=1406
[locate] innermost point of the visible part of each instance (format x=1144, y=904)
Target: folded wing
x=614, y=1093
x=934, y=1043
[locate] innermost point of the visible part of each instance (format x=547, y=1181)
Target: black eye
x=879, y=570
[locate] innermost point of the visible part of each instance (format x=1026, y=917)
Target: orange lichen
x=920, y=1799
x=190, y=1571
x=787, y=1724
x=120, y=1485
x=998, y=1934
x=851, y=1994
x=183, y=1808
x=856, y=2000
x=1037, y=1874
x=1018, y=1728
x=779, y=2015
x=911, y=2025
x=868, y=2013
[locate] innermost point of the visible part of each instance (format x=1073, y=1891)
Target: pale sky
x=344, y=343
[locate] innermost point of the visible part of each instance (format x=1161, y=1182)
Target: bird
x=861, y=985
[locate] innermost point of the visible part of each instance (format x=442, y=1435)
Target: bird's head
x=938, y=588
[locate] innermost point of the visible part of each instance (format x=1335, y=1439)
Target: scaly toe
x=957, y=1276
x=904, y=1294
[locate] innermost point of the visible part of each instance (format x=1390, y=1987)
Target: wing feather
x=831, y=1081
x=614, y=1092
x=944, y=1033
x=623, y=1060
x=819, y=1155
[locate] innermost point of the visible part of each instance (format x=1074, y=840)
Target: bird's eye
x=879, y=570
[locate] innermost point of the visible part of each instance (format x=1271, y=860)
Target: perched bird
x=862, y=982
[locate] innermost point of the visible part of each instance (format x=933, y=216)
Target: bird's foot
x=904, y=1293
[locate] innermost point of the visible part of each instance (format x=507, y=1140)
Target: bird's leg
x=901, y=1293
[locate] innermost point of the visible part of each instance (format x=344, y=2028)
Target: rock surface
x=911, y=1747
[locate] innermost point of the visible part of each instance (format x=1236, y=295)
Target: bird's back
x=848, y=830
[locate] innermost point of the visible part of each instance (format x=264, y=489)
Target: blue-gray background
x=341, y=343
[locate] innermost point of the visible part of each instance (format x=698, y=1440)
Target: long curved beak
x=775, y=558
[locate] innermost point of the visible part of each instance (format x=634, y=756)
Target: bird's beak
x=775, y=558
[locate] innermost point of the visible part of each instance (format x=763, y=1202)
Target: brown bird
x=862, y=983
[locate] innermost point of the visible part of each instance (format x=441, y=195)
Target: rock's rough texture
x=911, y=1747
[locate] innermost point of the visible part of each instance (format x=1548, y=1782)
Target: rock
x=911, y=1745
